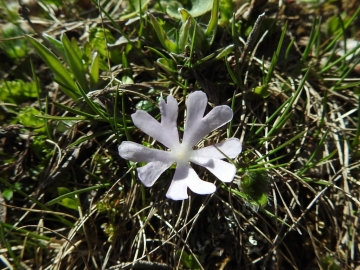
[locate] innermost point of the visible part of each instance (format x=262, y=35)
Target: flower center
x=181, y=153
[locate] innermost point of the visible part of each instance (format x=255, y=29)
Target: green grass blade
x=94, y=70
x=75, y=63
x=60, y=72
x=315, y=29
x=347, y=24
x=74, y=111
x=287, y=143
x=308, y=164
x=275, y=56
x=62, y=118
x=355, y=142
x=98, y=134
x=337, y=61
x=287, y=112
x=76, y=192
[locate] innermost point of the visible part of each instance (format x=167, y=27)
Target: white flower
x=166, y=132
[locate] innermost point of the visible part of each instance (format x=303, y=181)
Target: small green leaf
x=40, y=147
x=61, y=74
x=27, y=118
x=226, y=9
x=69, y=202
x=188, y=260
x=145, y=105
x=8, y=194
x=225, y=51
x=167, y=65
x=262, y=91
x=198, y=8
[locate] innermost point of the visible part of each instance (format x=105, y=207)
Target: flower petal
x=165, y=132
x=149, y=173
x=137, y=152
x=169, y=113
x=223, y=170
x=230, y=147
x=195, y=109
x=197, y=126
x=197, y=185
x=178, y=187
x=184, y=177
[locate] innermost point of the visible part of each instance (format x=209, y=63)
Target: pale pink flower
x=196, y=128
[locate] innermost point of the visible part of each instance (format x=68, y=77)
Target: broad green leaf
x=198, y=8
x=76, y=47
x=75, y=63
x=168, y=44
x=61, y=74
x=254, y=186
x=69, y=203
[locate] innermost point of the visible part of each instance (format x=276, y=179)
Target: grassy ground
x=72, y=73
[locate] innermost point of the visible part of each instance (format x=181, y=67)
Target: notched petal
x=165, y=132
x=229, y=148
x=195, y=109
x=184, y=177
x=169, y=111
x=178, y=186
x=139, y=153
x=224, y=171
x=197, y=126
x=197, y=185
